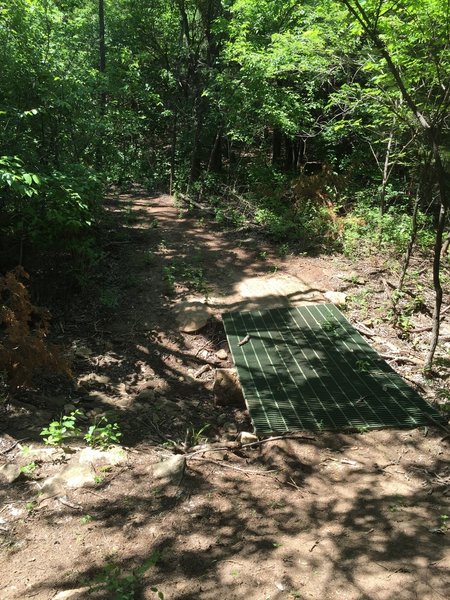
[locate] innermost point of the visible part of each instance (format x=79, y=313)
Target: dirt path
x=333, y=516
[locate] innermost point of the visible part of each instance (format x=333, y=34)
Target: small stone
x=222, y=354
x=246, y=437
x=171, y=469
x=9, y=473
x=222, y=418
x=68, y=408
x=229, y=427
x=227, y=388
x=337, y=298
x=72, y=475
x=191, y=316
x=40, y=455
x=98, y=458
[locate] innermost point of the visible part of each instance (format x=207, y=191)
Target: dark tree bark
x=215, y=158
x=289, y=161
x=277, y=139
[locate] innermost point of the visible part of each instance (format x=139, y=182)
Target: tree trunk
x=276, y=146
x=441, y=180
x=173, y=152
x=386, y=174
x=215, y=158
x=102, y=69
x=289, y=156
x=196, y=147
x=412, y=241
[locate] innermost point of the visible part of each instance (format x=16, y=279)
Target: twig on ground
x=228, y=466
x=278, y=437
x=64, y=500
x=401, y=358
x=202, y=347
x=13, y=445
x=364, y=330
x=202, y=370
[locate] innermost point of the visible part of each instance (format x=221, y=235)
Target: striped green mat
x=306, y=368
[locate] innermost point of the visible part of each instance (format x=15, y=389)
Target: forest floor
x=344, y=516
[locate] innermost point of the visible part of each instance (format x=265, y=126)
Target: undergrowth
x=24, y=349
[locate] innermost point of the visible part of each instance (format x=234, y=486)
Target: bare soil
x=318, y=516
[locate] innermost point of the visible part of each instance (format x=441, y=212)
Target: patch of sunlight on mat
x=307, y=368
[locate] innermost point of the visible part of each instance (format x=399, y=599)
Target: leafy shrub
x=391, y=230
x=48, y=209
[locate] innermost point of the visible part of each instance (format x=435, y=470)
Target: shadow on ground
x=341, y=516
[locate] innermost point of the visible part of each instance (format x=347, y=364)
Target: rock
x=75, y=594
x=98, y=458
x=9, y=473
x=68, y=408
x=246, y=437
x=40, y=455
x=191, y=316
x=71, y=475
x=229, y=427
x=338, y=298
x=171, y=469
x=227, y=388
x=222, y=354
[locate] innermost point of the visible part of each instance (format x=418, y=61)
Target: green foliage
x=121, y=586
x=29, y=468
x=59, y=431
x=103, y=434
x=366, y=228
x=190, y=274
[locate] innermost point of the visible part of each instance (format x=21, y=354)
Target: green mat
x=307, y=368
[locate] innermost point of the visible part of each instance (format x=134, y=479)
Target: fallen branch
x=202, y=370
x=278, y=437
x=364, y=330
x=401, y=358
x=228, y=466
x=237, y=446
x=13, y=446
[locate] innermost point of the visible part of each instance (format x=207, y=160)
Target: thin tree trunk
x=276, y=146
x=287, y=154
x=196, y=147
x=386, y=173
x=102, y=69
x=215, y=157
x=441, y=179
x=412, y=241
x=173, y=151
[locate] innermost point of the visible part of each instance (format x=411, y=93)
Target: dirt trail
x=344, y=517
